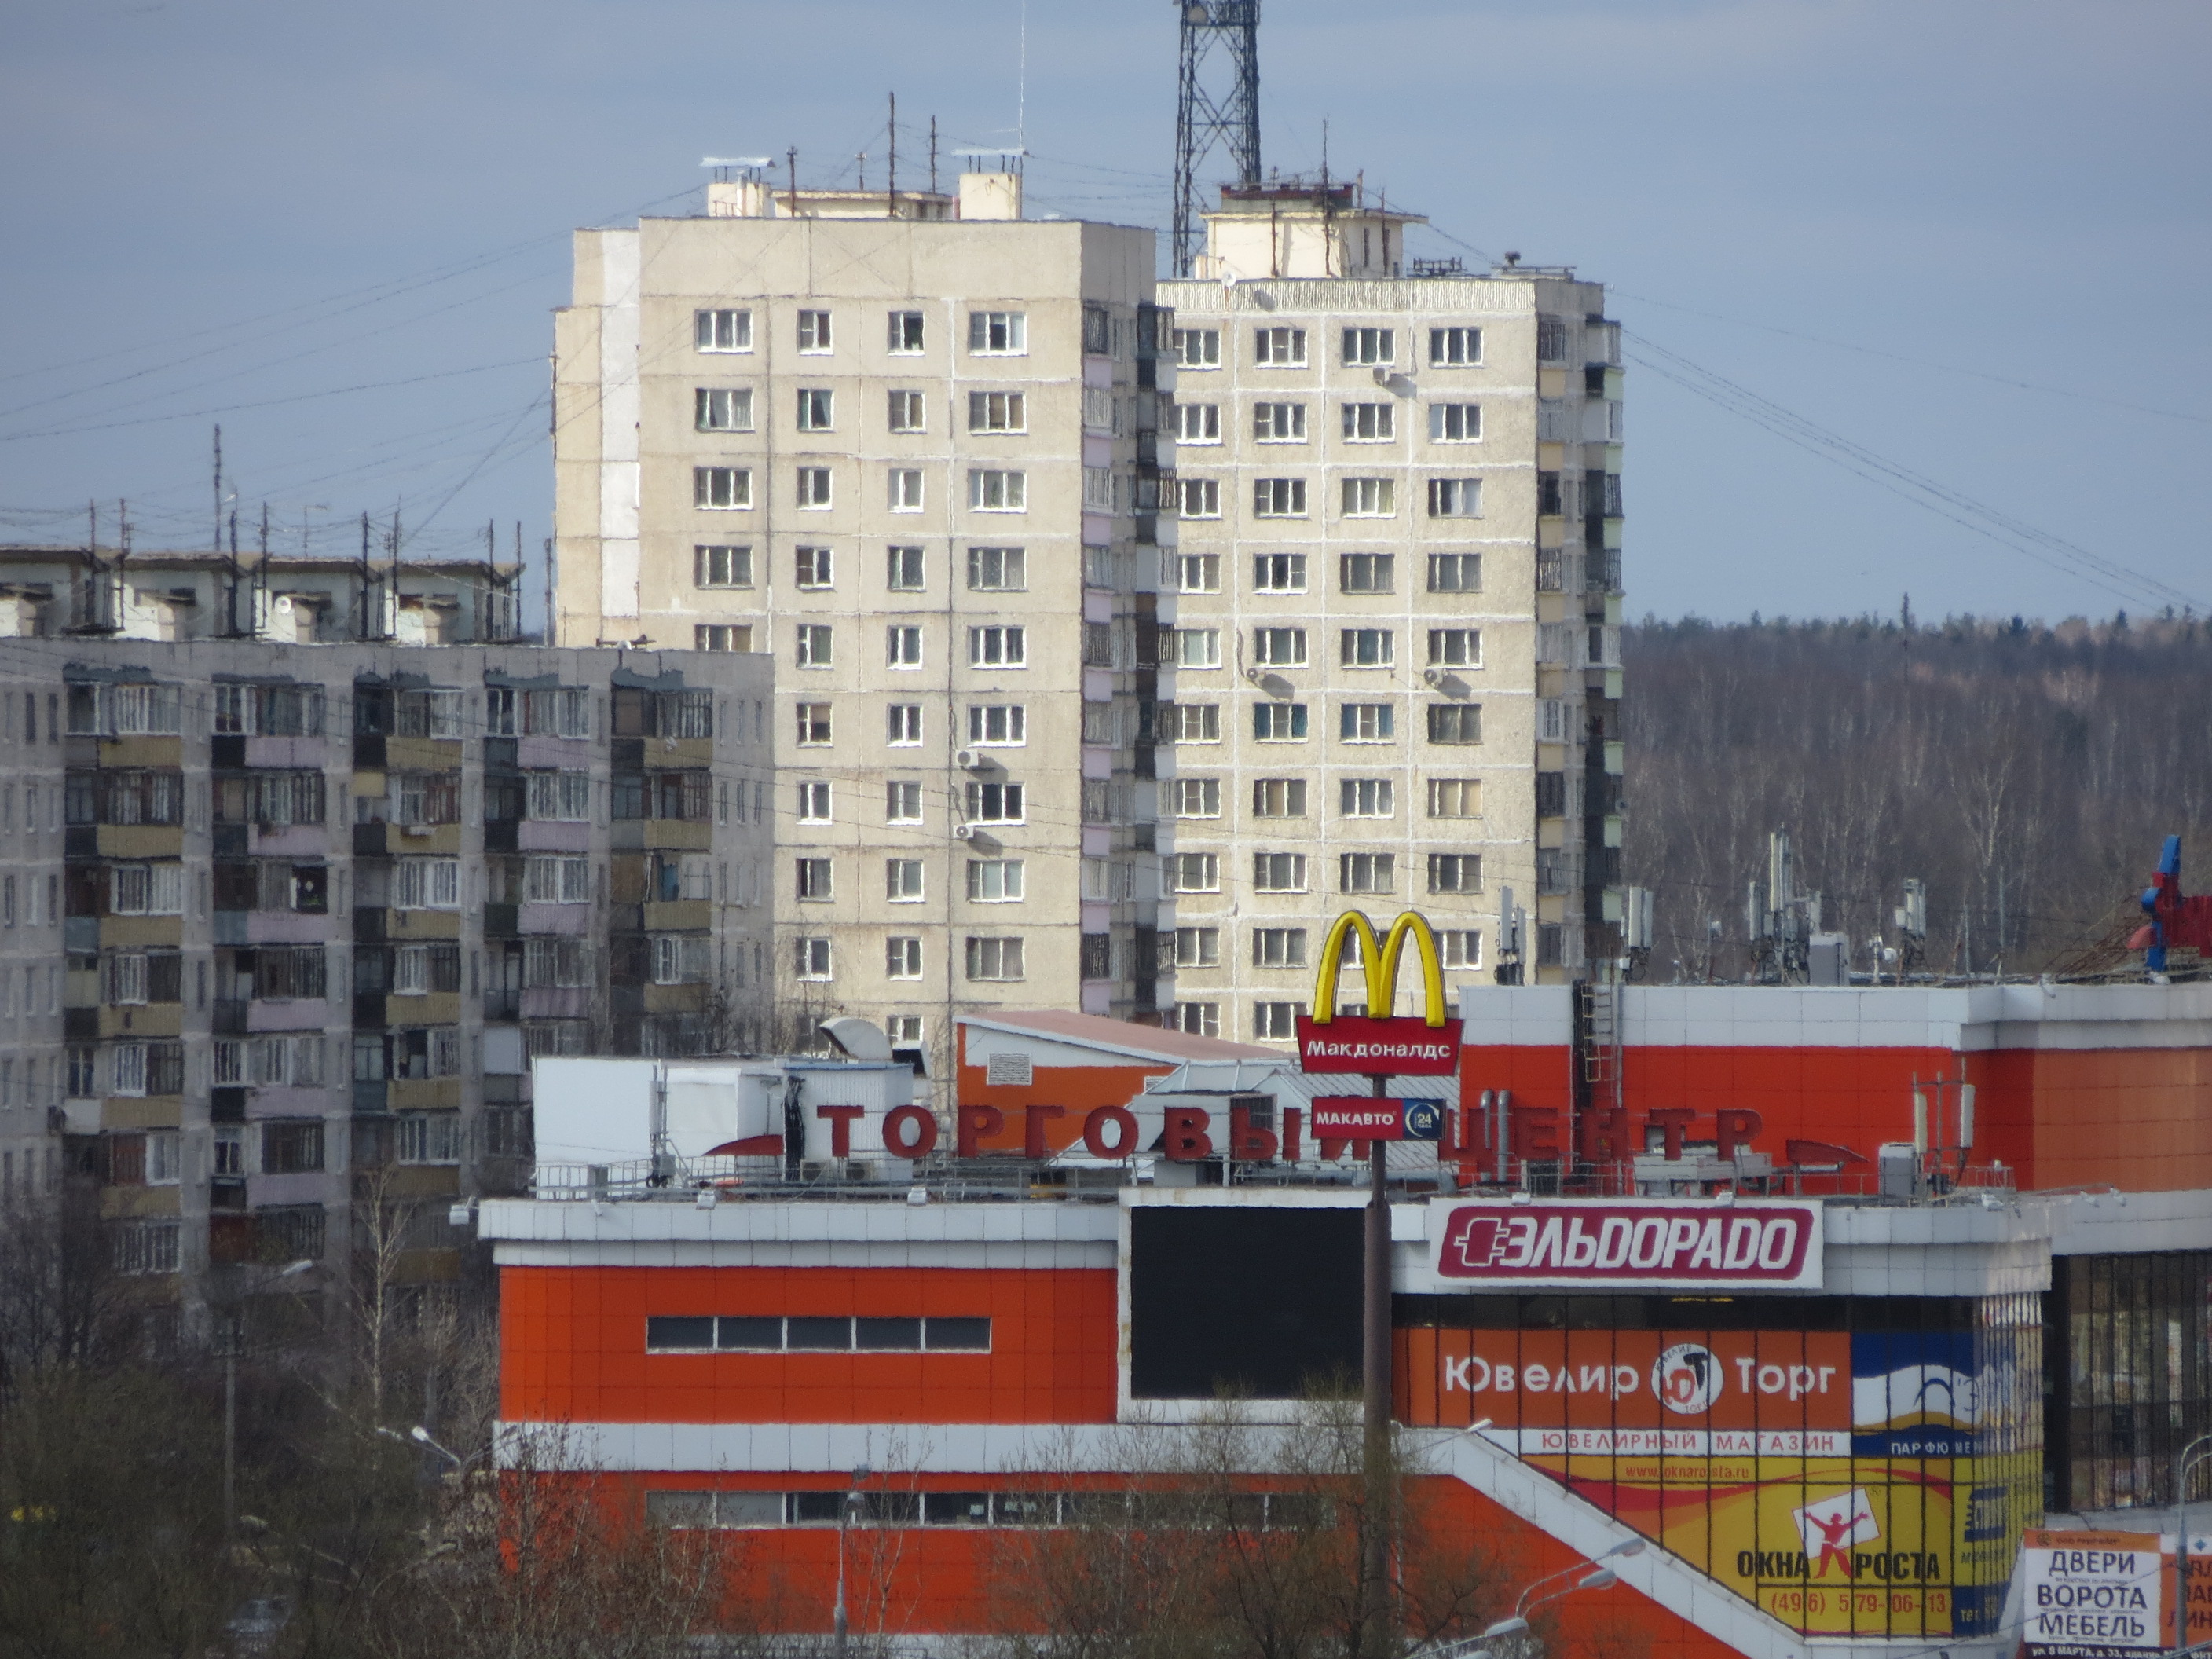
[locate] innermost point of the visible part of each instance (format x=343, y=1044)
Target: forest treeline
x=2026, y=774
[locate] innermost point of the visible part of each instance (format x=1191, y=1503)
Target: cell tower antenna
x=1211, y=115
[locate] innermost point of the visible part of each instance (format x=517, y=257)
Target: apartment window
x=1197, y=873
x=1279, y=947
x=814, y=802
x=814, y=725
x=902, y=881
x=1551, y=340
x=994, y=881
x=1455, y=797
x=1370, y=424
x=1455, y=872
x=814, y=567
x=997, y=333
x=1366, y=648
x=1550, y=499
x=1278, y=424
x=814, y=879
x=146, y=889
x=814, y=330
x=1366, y=722
x=1461, y=947
x=427, y=885
x=1456, y=647
x=1197, y=423
x=1098, y=489
x=1365, y=798
x=1455, y=722
x=1198, y=573
x=1551, y=944
x=722, y=330
x=293, y=1148
x=994, y=803
x=1279, y=798
x=1456, y=424
x=1367, y=872
x=901, y=958
x=1197, y=798
x=1199, y=498
x=902, y=569
x=1276, y=1022
x=1278, y=722
x=1198, y=348
x=1279, y=572
x=902, y=725
x=997, y=647
x=997, y=723
x=813, y=485
x=1197, y=1019
x=903, y=489
x=722, y=409
x=1455, y=573
x=997, y=411
x=721, y=489
x=559, y=796
x=810, y=958
x=1367, y=573
x=902, y=648
x=1279, y=872
x=721, y=567
x=1198, y=647
x=1365, y=347
x=430, y=1138
x=991, y=490
x=1198, y=947
x=1370, y=498
x=1278, y=498
x=902, y=801
x=1190, y=722
x=998, y=569
x=1454, y=498
x=1279, y=647
x=905, y=333
x=721, y=636
x=909, y=413
x=814, y=646
x=994, y=958
x=1455, y=348
x=1279, y=348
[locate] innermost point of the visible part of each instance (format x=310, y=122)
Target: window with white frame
x=1279, y=798
x=722, y=409
x=1278, y=498
x=1279, y=947
x=810, y=958
x=994, y=724
x=427, y=1138
x=1199, y=498
x=1276, y=1022
x=682, y=959
x=1190, y=722
x=997, y=333
x=1279, y=872
x=1456, y=647
x=994, y=958
x=560, y=796
x=1460, y=947
x=1366, y=648
x=722, y=330
x=1370, y=498
x=146, y=889
x=552, y=879
x=1367, y=347
x=1279, y=572
x=814, y=330
x=557, y=962
x=721, y=636
x=1367, y=573
x=1198, y=348
x=991, y=490
x=902, y=958
x=1370, y=424
x=994, y=881
x=719, y=565
x=814, y=646
x=1455, y=872
x=903, y=881
x=1366, y=722
x=1279, y=647
x=1456, y=424
x=905, y=333
x=813, y=724
x=721, y=489
x=815, y=879
x=998, y=647
x=1197, y=423
x=993, y=803
x=902, y=646
x=1197, y=573
x=1367, y=872
x=1365, y=798
x=1455, y=348
x=1454, y=498
x=814, y=801
x=1278, y=722
x=812, y=488
x=1197, y=798
x=1197, y=873
x=1455, y=798
x=1098, y=489
x=904, y=569
x=903, y=489
x=1198, y=647
x=909, y=411
x=997, y=411
x=1198, y=947
x=998, y=569
x=1455, y=723
x=903, y=801
x=1278, y=424
x=1198, y=1019
x=1279, y=348
x=1455, y=573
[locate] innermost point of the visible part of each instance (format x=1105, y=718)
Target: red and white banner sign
x=1378, y=1047
x=1627, y=1243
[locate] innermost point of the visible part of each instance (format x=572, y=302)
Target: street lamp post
x=844, y=1515
x=2197, y=1452
x=1602, y=1577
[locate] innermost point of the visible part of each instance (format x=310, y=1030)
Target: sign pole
x=1376, y=1448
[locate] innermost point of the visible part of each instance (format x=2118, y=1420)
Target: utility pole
x=1375, y=1401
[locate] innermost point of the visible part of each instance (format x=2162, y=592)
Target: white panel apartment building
x=1398, y=583
x=914, y=457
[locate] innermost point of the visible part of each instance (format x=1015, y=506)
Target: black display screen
x=1245, y=1300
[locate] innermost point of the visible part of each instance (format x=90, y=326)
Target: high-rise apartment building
x=918, y=459
x=1398, y=583
x=283, y=925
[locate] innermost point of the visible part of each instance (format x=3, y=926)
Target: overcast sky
x=1969, y=241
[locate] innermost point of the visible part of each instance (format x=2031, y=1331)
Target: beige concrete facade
x=938, y=514
x=1399, y=603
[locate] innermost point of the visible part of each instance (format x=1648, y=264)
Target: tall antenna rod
x=891, y=211
x=932, y=155
x=218, y=487
x=1211, y=115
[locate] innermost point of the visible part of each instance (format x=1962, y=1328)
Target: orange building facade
x=1807, y=1410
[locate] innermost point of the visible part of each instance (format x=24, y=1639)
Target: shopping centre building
x=1824, y=1294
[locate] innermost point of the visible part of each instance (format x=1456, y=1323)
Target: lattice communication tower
x=1216, y=109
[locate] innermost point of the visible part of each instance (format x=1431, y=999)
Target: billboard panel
x=1630, y=1244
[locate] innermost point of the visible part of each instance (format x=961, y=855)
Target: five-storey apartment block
x=923, y=462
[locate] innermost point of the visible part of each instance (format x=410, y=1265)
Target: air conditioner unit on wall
x=968, y=759
x=964, y=832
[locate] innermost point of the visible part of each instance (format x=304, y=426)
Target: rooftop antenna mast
x=1213, y=116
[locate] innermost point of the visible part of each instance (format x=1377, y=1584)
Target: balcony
x=1551, y=570
x=228, y=1018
